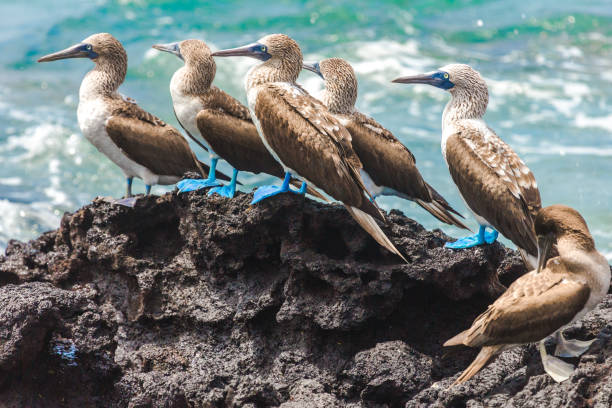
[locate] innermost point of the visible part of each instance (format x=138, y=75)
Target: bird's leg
x=558, y=369
x=264, y=192
x=571, y=348
x=226, y=191
x=197, y=184
x=470, y=241
x=129, y=186
x=147, y=189
x=302, y=189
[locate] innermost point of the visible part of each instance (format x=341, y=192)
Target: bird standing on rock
x=215, y=120
x=494, y=182
x=544, y=301
x=302, y=134
x=389, y=168
x=141, y=144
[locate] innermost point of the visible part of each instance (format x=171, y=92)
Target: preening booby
x=544, y=301
x=494, y=182
x=302, y=134
x=215, y=120
x=141, y=144
x=389, y=167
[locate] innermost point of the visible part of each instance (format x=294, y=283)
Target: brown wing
x=486, y=175
x=533, y=307
x=310, y=141
x=149, y=141
x=388, y=162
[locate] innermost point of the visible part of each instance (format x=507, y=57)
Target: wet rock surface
x=202, y=301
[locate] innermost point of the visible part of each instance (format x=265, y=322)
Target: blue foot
x=223, y=191
x=226, y=191
x=491, y=237
x=483, y=237
x=196, y=184
x=264, y=192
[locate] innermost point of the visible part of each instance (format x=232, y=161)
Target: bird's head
x=97, y=47
x=277, y=51
x=340, y=83
x=197, y=57
x=559, y=222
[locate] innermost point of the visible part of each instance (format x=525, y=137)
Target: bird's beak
x=314, y=67
x=544, y=245
x=432, y=78
x=252, y=50
x=76, y=51
x=172, y=48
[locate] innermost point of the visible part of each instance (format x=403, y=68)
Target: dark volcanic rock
x=201, y=301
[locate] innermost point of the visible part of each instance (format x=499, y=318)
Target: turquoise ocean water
x=548, y=65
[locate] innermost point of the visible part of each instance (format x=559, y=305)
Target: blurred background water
x=548, y=65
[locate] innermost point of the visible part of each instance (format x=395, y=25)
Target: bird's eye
x=445, y=75
x=88, y=47
x=264, y=48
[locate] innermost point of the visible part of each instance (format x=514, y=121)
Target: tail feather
x=481, y=360
x=437, y=197
x=440, y=212
x=368, y=223
x=457, y=340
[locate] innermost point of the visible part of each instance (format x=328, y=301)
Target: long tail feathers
x=457, y=340
x=368, y=223
x=439, y=211
x=481, y=360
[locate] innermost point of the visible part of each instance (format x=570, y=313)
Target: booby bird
x=389, y=167
x=302, y=134
x=559, y=292
x=215, y=120
x=141, y=144
x=494, y=182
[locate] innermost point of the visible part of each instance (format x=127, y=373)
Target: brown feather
x=310, y=141
x=533, y=307
x=481, y=360
x=486, y=174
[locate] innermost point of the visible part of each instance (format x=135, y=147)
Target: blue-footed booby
x=302, y=134
x=141, y=144
x=389, y=168
x=544, y=301
x=494, y=182
x=215, y=120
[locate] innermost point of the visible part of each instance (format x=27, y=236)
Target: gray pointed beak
x=254, y=50
x=75, y=51
x=172, y=48
x=313, y=67
x=415, y=79
x=545, y=243
x=439, y=79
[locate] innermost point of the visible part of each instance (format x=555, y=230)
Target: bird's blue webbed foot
x=482, y=237
x=226, y=191
x=198, y=184
x=264, y=192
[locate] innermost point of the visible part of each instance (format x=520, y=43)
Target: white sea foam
x=584, y=121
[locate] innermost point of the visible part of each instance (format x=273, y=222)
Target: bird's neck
x=339, y=100
x=191, y=80
x=465, y=104
x=104, y=79
x=273, y=70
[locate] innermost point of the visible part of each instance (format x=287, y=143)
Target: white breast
x=187, y=108
x=92, y=115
